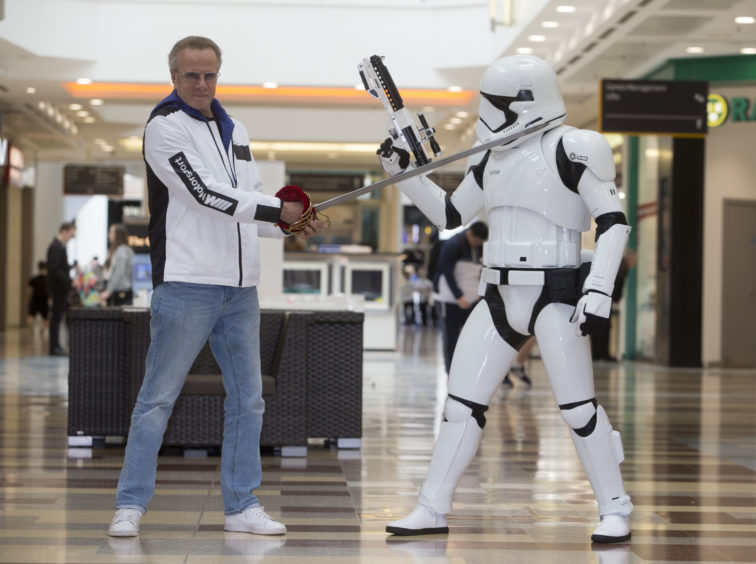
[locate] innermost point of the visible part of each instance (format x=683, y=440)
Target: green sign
x=719, y=109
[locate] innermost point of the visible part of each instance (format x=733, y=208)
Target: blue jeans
x=183, y=317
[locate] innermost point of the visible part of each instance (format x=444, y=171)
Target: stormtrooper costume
x=539, y=194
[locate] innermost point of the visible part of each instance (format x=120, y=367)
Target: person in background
x=59, y=282
x=38, y=297
x=456, y=282
x=207, y=211
x=118, y=267
x=98, y=272
x=407, y=294
x=424, y=288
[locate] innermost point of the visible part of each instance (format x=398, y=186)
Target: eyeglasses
x=193, y=76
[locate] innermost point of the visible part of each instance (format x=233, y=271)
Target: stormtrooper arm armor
x=443, y=210
x=587, y=158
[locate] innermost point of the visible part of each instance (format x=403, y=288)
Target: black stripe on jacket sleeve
x=197, y=188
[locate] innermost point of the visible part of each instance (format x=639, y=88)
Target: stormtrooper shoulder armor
x=588, y=149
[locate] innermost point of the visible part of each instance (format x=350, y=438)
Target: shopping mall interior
x=359, y=388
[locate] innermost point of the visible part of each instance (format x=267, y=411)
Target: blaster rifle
x=379, y=84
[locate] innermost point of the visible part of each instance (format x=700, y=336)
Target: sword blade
x=427, y=167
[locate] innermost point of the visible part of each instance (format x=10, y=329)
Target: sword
x=428, y=167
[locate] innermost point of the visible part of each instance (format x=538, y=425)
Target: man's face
x=68, y=234
x=190, y=80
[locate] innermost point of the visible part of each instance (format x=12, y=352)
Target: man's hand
x=291, y=212
x=394, y=159
x=591, y=314
x=463, y=302
x=312, y=228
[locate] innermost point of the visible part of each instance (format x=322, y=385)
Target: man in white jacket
x=207, y=210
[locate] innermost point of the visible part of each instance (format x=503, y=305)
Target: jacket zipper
x=232, y=178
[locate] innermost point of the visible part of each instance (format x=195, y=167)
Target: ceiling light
x=450, y=126
x=748, y=50
x=536, y=38
x=694, y=49
x=132, y=144
x=455, y=89
x=270, y=85
x=462, y=114
x=30, y=90
x=96, y=102
x=565, y=9
x=89, y=119
x=455, y=120
x=257, y=94
x=74, y=107
x=82, y=113
x=83, y=81
x=745, y=20
x=550, y=24
x=524, y=50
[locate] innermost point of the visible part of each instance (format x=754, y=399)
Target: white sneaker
x=422, y=521
x=125, y=523
x=254, y=520
x=613, y=528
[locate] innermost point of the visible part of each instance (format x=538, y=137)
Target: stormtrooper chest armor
x=534, y=220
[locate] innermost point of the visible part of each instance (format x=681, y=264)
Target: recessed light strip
x=282, y=94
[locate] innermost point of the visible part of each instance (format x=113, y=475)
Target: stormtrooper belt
x=553, y=277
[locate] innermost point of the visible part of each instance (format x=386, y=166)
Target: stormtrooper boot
x=422, y=521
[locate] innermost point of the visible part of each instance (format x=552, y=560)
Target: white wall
x=730, y=173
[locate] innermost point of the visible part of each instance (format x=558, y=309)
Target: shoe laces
x=259, y=511
x=130, y=515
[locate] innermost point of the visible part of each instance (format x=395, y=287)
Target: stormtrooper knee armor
x=600, y=450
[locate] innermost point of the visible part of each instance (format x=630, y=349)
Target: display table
x=311, y=363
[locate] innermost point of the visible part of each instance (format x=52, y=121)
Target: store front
x=692, y=295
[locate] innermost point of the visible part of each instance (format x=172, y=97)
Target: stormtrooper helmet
x=517, y=92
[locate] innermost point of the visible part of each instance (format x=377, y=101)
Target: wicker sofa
x=311, y=388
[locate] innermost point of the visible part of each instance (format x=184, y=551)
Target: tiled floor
x=690, y=467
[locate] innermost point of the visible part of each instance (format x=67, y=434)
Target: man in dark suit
x=59, y=282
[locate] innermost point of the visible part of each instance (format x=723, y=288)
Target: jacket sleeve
x=174, y=160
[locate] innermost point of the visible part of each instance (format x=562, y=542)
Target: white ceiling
x=429, y=44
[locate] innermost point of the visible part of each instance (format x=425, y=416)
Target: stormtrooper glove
x=591, y=314
x=394, y=159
